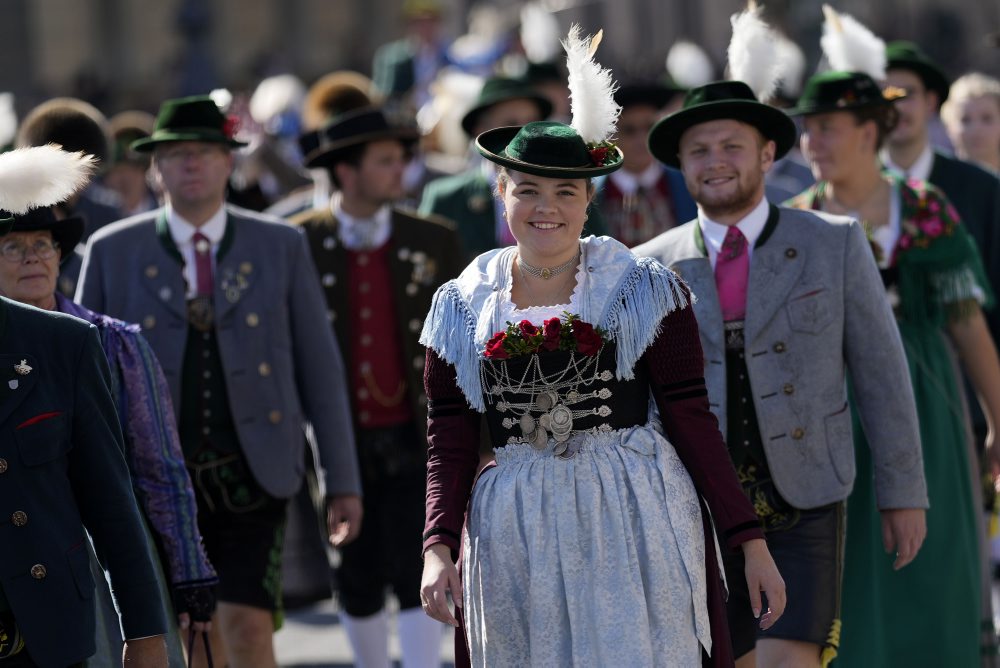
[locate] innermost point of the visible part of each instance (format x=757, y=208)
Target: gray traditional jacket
x=282, y=365
x=816, y=310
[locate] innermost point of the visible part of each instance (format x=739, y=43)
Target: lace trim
x=536, y=314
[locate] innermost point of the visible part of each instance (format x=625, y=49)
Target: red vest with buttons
x=378, y=379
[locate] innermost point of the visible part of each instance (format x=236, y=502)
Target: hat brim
x=147, y=144
x=66, y=233
x=327, y=154
x=472, y=115
x=665, y=137
x=492, y=144
x=933, y=78
x=813, y=109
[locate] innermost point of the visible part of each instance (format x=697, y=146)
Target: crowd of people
x=595, y=371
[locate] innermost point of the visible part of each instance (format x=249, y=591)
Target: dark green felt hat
x=504, y=89
x=548, y=148
x=842, y=91
x=717, y=101
x=904, y=55
x=195, y=118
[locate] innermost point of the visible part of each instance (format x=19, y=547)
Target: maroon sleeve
x=676, y=368
x=452, y=454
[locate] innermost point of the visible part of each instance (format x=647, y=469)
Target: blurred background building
x=122, y=54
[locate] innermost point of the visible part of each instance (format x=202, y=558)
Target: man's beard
x=742, y=199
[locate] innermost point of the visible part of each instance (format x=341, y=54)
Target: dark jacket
x=423, y=253
x=62, y=470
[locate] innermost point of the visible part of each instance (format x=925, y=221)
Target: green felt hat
x=195, y=118
x=550, y=149
x=717, y=101
x=904, y=55
x=842, y=91
x=504, y=89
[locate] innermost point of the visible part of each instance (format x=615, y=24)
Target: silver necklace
x=547, y=272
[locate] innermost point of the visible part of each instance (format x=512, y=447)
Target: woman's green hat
x=195, y=118
x=842, y=91
x=550, y=149
x=503, y=89
x=720, y=100
x=904, y=55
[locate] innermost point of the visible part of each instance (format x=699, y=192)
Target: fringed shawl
x=625, y=295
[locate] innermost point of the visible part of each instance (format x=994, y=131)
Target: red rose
x=588, y=341
x=933, y=227
x=527, y=329
x=597, y=155
x=905, y=241
x=231, y=126
x=552, y=329
x=494, y=347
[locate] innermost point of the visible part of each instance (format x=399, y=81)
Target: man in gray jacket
x=788, y=303
x=230, y=302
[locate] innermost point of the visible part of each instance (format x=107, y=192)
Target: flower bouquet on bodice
x=547, y=383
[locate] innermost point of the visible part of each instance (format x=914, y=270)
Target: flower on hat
x=592, y=99
x=231, y=126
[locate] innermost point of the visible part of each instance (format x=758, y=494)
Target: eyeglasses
x=15, y=251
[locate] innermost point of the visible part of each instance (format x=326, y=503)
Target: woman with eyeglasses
x=30, y=254
x=926, y=614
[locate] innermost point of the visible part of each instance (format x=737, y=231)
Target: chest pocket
x=43, y=441
x=810, y=313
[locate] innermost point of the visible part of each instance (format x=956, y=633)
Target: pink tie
x=203, y=263
x=732, y=268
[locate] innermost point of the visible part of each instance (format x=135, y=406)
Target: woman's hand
x=763, y=576
x=440, y=577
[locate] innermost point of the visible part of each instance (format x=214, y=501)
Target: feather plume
x=851, y=47
x=41, y=176
x=688, y=65
x=275, y=96
x=752, y=56
x=591, y=89
x=792, y=66
x=539, y=33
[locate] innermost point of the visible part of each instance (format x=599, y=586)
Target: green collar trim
x=167, y=240
x=773, y=214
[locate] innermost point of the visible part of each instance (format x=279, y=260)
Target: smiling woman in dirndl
x=589, y=541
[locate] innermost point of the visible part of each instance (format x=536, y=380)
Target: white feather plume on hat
x=851, y=47
x=41, y=176
x=539, y=33
x=688, y=64
x=591, y=88
x=753, y=58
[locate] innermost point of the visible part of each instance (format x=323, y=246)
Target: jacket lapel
x=162, y=270
x=697, y=273
x=16, y=386
x=775, y=267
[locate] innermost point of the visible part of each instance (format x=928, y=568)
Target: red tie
x=202, y=263
x=732, y=268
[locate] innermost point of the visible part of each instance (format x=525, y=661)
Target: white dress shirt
x=181, y=231
x=751, y=226
x=359, y=234
x=628, y=183
x=919, y=170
